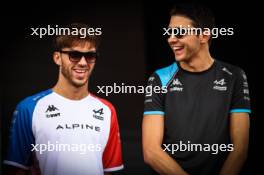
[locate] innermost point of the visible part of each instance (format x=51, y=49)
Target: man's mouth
x=80, y=70
x=177, y=48
x=80, y=73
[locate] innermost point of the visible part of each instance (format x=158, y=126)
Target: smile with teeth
x=80, y=70
x=177, y=48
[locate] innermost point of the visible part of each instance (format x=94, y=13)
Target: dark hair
x=69, y=39
x=201, y=16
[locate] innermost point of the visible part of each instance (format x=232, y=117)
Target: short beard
x=66, y=73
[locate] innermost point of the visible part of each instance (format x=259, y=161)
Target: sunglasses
x=76, y=56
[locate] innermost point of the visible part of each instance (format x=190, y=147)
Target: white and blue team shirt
x=64, y=136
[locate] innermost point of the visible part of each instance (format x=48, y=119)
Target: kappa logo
x=98, y=114
x=50, y=110
x=177, y=82
x=176, y=85
x=219, y=85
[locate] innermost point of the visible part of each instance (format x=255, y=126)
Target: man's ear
x=205, y=36
x=57, y=58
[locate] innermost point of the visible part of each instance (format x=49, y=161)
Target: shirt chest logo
x=176, y=85
x=220, y=85
x=98, y=114
x=52, y=111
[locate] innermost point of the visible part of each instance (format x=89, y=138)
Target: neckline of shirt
x=71, y=100
x=200, y=72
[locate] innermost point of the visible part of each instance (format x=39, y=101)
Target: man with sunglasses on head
x=67, y=130
x=205, y=107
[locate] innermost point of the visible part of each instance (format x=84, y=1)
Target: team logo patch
x=98, y=114
x=220, y=85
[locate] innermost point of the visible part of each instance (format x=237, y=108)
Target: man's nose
x=172, y=38
x=82, y=61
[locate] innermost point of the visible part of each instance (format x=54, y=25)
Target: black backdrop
x=132, y=48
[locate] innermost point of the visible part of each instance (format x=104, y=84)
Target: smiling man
x=205, y=107
x=66, y=129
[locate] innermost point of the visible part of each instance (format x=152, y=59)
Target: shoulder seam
x=166, y=74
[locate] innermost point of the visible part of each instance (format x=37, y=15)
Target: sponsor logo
x=227, y=71
x=151, y=78
x=148, y=100
x=220, y=85
x=98, y=114
x=245, y=84
x=78, y=126
x=51, y=111
x=244, y=76
x=245, y=91
x=177, y=82
x=51, y=108
x=176, y=85
x=246, y=98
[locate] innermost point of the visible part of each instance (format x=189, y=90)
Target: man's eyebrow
x=74, y=50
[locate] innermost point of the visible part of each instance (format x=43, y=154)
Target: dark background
x=132, y=48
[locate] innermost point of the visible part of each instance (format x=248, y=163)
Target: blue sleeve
x=240, y=98
x=21, y=137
